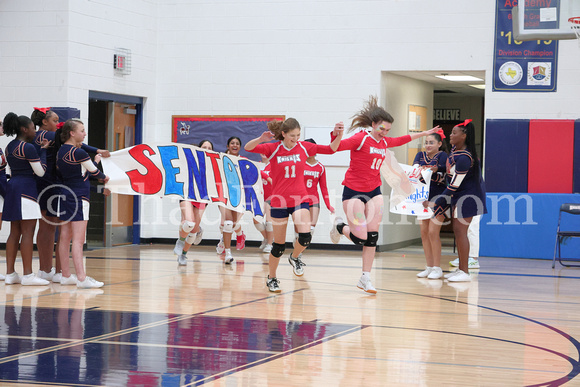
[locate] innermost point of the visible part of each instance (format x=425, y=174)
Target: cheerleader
x=289, y=196
x=434, y=158
x=361, y=198
x=231, y=219
x=48, y=187
x=20, y=205
x=464, y=196
x=74, y=166
x=3, y=183
x=190, y=231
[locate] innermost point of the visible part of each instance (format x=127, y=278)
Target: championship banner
x=396, y=177
x=187, y=172
x=413, y=204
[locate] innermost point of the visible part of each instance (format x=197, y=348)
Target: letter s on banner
x=151, y=182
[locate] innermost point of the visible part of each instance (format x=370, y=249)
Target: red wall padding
x=551, y=156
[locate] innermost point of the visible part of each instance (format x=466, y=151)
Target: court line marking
x=274, y=357
x=24, y=355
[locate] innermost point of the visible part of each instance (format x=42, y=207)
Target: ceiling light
x=459, y=78
x=480, y=86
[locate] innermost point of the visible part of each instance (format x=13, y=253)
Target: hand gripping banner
x=188, y=172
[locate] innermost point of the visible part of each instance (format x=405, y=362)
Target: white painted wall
x=313, y=60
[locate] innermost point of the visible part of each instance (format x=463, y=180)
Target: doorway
x=116, y=123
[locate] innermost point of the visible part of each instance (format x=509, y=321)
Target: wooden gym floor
x=157, y=324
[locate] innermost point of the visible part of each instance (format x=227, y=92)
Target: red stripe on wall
x=551, y=156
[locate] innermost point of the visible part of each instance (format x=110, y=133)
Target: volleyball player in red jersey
x=289, y=196
x=314, y=176
x=362, y=199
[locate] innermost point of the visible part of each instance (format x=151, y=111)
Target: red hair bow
x=464, y=123
x=44, y=110
x=441, y=133
x=60, y=125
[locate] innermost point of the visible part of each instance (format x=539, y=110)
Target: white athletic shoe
x=365, y=284
x=89, y=282
x=56, y=278
x=32, y=280
x=13, y=278
x=436, y=273
x=181, y=260
x=220, y=246
x=267, y=249
x=263, y=244
x=449, y=275
x=334, y=234
x=178, y=249
x=461, y=276
x=198, y=237
x=472, y=263
x=228, y=258
x=72, y=280
x=47, y=276
x=425, y=272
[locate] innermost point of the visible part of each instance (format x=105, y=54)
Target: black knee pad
x=356, y=240
x=278, y=249
x=304, y=238
x=372, y=238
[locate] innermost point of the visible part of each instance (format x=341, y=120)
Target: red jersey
x=315, y=175
x=267, y=186
x=366, y=157
x=287, y=170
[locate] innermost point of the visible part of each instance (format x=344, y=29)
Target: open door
x=121, y=132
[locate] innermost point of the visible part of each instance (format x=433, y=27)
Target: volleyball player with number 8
x=289, y=195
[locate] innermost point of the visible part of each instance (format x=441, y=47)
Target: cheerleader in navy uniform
x=435, y=158
x=3, y=183
x=74, y=166
x=464, y=196
x=20, y=204
x=289, y=195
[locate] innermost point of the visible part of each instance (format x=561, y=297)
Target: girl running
x=289, y=195
x=190, y=231
x=362, y=200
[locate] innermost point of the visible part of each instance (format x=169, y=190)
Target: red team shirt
x=366, y=157
x=315, y=175
x=267, y=186
x=287, y=170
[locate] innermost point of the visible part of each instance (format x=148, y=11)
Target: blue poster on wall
x=522, y=66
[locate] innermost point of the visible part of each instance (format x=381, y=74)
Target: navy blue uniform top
x=50, y=154
x=438, y=183
x=463, y=179
x=20, y=154
x=3, y=179
x=74, y=176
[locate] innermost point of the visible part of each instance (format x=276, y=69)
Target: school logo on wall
x=539, y=73
x=510, y=73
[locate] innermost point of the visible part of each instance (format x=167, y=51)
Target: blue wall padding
x=66, y=113
x=576, y=183
x=506, y=155
x=524, y=226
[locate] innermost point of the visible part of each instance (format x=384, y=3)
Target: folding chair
x=573, y=209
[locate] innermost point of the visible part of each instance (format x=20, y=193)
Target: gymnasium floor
x=157, y=324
